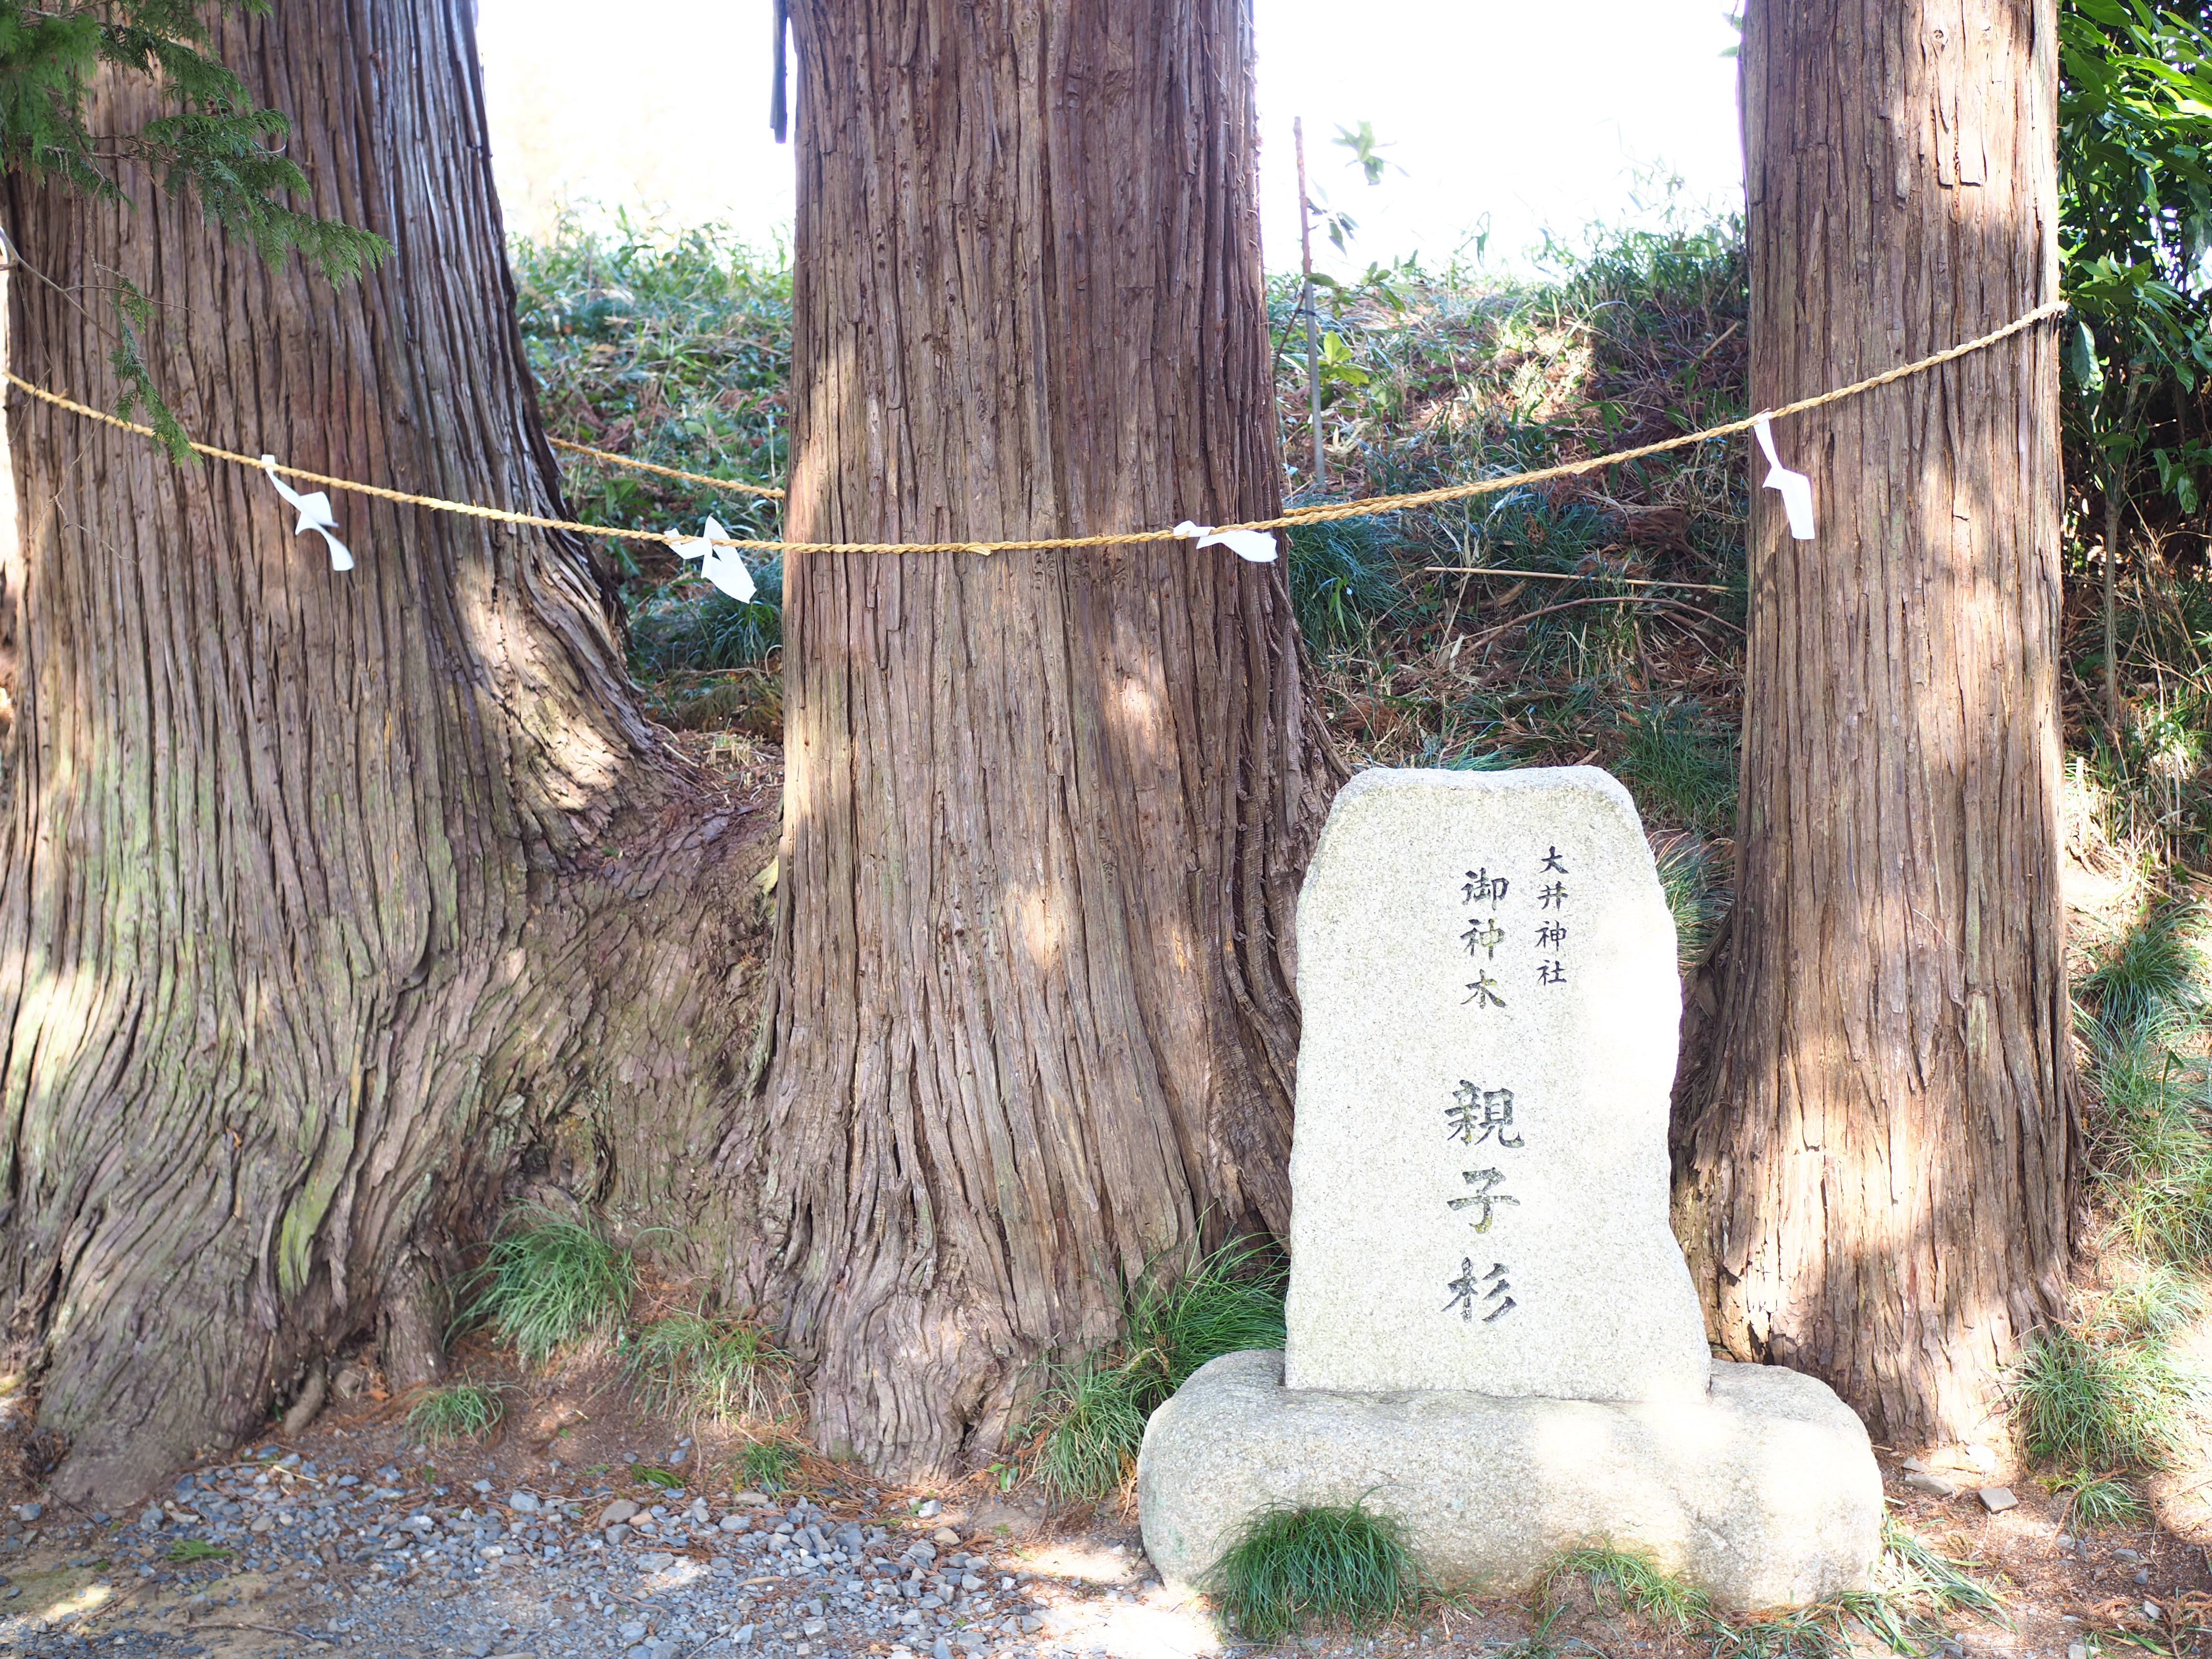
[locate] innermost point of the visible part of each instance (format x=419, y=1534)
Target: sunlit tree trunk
x=330, y=903
x=1875, y=1166
x=1047, y=811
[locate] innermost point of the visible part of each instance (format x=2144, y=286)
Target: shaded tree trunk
x=1873, y=1167
x=1046, y=812
x=325, y=900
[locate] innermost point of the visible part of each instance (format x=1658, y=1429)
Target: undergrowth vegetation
x=547, y=1280
x=700, y=1367
x=457, y=1412
x=1915, y=1589
x=1331, y=1564
x=1088, y=1420
x=2109, y=1395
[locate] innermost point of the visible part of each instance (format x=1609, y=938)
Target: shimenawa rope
x=1318, y=514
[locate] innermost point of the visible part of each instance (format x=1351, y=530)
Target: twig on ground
x=1573, y=576
x=1604, y=598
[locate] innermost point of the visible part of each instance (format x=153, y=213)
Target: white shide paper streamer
x=1796, y=488
x=720, y=565
x=1254, y=545
x=314, y=514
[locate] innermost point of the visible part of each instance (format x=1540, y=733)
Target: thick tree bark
x=322, y=896
x=1873, y=1170
x=1046, y=812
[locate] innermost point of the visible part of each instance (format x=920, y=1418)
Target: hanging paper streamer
x=314, y=514
x=1796, y=488
x=1256, y=546
x=720, y=565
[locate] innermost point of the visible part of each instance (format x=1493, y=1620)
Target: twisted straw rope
x=664, y=471
x=1318, y=514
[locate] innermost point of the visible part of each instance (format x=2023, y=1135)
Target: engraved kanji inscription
x=1477, y=1113
x=1485, y=1195
x=1553, y=896
x=1552, y=867
x=1482, y=886
x=1483, y=933
x=1550, y=935
x=1498, y=1286
x=1468, y=1288
x=1551, y=973
x=1465, y=1289
x=1484, y=990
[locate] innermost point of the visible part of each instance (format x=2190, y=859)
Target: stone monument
x=1492, y=1334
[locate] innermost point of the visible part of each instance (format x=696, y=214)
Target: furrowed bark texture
x=324, y=899
x=1046, y=812
x=1874, y=1171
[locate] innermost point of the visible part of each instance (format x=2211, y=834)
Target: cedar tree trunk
x=1874, y=1167
x=330, y=905
x=1046, y=812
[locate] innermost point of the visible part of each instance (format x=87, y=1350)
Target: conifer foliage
x=213, y=142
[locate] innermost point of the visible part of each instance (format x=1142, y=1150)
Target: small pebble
x=1934, y=1484
x=1997, y=1500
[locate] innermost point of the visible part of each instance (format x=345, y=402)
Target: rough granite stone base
x=1764, y=1494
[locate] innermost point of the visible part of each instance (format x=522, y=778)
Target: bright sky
x=1525, y=116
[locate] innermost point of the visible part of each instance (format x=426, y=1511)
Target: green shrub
x=459, y=1411
x=548, y=1280
x=669, y=347
x=1293, y=1567
x=721, y=1368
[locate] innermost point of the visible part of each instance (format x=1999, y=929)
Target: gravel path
x=273, y=1555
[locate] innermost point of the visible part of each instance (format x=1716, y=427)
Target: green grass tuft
x=548, y=1280
x=2102, y=1400
x=2155, y=1163
x=185, y=1551
x=1098, y=1413
x=2155, y=974
x=766, y=1466
x=1342, y=579
x=720, y=1368
x=2160, y=1301
x=1091, y=1417
x=1682, y=762
x=2096, y=1501
x=1695, y=881
x=1915, y=1589
x=1225, y=1303
x=1638, y=1581
x=1295, y=1567
x=678, y=629
x=459, y=1411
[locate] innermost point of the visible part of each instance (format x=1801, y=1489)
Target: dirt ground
x=78, y=1585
